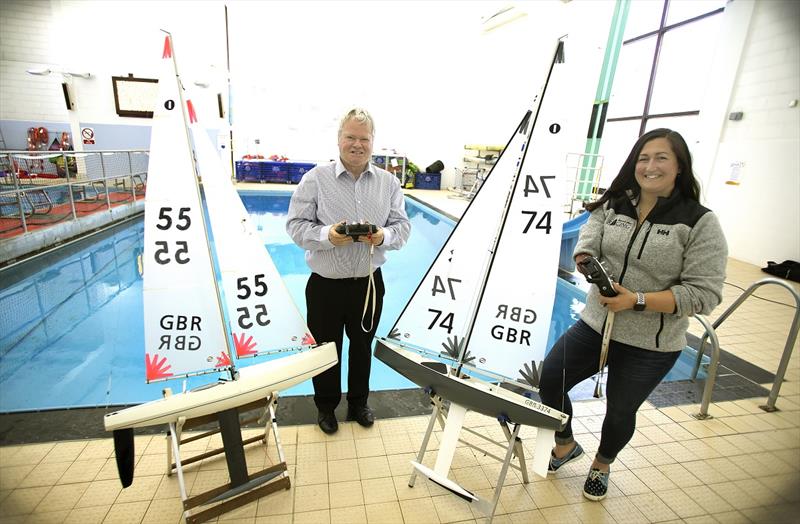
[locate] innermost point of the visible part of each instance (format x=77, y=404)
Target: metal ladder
x=711, y=333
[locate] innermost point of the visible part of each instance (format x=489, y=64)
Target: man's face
x=355, y=143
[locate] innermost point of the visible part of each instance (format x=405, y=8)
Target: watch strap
x=640, y=302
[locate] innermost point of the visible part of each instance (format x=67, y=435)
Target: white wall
x=105, y=39
x=25, y=42
x=761, y=215
x=433, y=80
x=425, y=70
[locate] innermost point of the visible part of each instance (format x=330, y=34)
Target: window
x=683, y=66
x=632, y=78
x=661, y=75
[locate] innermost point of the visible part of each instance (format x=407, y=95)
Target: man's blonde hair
x=361, y=116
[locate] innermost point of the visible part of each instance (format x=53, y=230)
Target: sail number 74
x=446, y=323
x=544, y=219
x=438, y=286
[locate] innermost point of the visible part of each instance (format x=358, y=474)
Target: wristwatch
x=640, y=303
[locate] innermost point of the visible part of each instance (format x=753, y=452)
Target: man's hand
x=340, y=239
x=376, y=238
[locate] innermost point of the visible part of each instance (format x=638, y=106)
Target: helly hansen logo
x=664, y=232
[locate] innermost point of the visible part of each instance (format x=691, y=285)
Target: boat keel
x=124, y=453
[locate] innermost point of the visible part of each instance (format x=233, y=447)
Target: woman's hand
x=578, y=259
x=625, y=299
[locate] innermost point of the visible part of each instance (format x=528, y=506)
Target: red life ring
x=42, y=136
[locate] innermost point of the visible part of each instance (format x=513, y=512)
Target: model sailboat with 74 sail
x=474, y=332
x=186, y=331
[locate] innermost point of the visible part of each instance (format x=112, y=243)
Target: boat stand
x=452, y=425
x=243, y=488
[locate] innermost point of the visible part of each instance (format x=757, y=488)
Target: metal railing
x=711, y=333
x=711, y=373
x=35, y=183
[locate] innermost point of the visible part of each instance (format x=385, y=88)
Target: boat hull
x=472, y=393
x=254, y=383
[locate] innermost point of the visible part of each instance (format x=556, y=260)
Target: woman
x=668, y=256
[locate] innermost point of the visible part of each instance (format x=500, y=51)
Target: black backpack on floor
x=787, y=269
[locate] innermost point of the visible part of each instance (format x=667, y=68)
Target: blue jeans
x=633, y=373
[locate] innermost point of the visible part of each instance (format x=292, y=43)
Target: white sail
x=489, y=294
x=183, y=327
x=263, y=317
x=513, y=320
x=438, y=315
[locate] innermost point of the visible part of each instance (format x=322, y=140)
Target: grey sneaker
x=555, y=462
x=596, y=485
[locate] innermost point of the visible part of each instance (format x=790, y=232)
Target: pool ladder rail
x=712, y=335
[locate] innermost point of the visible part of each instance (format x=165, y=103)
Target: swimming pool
x=71, y=321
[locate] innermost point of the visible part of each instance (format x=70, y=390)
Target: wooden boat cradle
x=243, y=487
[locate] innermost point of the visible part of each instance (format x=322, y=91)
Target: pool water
x=71, y=321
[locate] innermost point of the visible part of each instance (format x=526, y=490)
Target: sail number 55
x=165, y=222
x=245, y=289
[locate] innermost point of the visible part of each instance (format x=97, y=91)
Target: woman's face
x=657, y=168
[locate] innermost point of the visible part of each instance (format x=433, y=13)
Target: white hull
x=254, y=383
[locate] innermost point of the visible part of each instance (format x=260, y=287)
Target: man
x=340, y=293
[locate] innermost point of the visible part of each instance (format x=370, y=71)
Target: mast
x=558, y=57
x=184, y=109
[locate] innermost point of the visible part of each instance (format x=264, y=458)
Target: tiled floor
x=743, y=465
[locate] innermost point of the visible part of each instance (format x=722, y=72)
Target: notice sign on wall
x=87, y=133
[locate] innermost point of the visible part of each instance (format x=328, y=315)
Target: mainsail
x=183, y=328
x=487, y=298
x=263, y=317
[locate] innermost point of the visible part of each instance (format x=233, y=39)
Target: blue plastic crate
x=262, y=171
x=297, y=170
x=248, y=171
x=428, y=181
x=275, y=172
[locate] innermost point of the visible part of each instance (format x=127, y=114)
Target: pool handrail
x=710, y=331
x=711, y=373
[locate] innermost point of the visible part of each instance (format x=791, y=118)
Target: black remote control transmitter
x=596, y=273
x=356, y=230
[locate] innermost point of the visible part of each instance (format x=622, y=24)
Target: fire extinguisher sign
x=88, y=135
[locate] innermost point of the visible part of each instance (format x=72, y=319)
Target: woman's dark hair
x=686, y=183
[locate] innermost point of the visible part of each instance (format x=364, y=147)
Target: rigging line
x=558, y=57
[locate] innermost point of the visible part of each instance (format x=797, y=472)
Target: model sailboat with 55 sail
x=186, y=331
